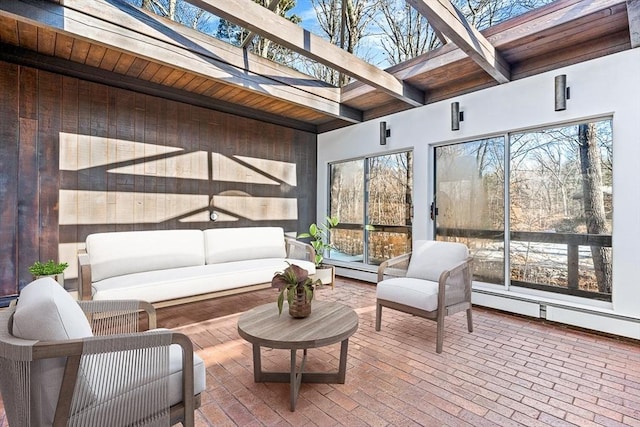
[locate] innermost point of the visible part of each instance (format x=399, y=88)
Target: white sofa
x=167, y=267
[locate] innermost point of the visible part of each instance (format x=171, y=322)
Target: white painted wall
x=608, y=86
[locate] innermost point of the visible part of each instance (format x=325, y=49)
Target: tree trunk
x=591, y=169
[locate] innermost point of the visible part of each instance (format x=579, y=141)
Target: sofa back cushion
x=237, y=244
x=127, y=252
x=430, y=258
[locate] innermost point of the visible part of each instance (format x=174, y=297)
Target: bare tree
x=407, y=33
x=343, y=23
x=595, y=216
x=176, y=10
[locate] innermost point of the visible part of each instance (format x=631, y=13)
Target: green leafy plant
x=48, y=268
x=291, y=281
x=319, y=235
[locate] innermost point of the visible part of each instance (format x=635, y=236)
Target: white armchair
x=437, y=283
x=85, y=363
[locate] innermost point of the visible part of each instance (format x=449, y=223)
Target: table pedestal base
x=297, y=376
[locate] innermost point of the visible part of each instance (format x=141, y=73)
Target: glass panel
x=469, y=202
x=389, y=200
x=389, y=204
x=347, y=191
x=385, y=245
x=561, y=210
x=348, y=244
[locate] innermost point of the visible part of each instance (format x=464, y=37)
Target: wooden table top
x=328, y=323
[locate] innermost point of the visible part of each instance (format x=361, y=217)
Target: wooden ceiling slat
x=46, y=41
x=79, y=51
x=138, y=65
x=64, y=44
x=9, y=31
x=204, y=86
x=173, y=77
x=110, y=59
x=149, y=71
x=194, y=83
x=95, y=55
x=124, y=63
x=28, y=36
x=184, y=80
x=161, y=74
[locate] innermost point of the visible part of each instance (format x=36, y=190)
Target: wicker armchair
x=108, y=375
x=436, y=283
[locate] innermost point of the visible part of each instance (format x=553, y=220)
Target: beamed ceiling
x=112, y=42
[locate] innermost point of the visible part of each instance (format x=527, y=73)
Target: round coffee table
x=328, y=323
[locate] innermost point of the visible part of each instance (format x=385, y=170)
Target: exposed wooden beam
x=633, y=12
x=447, y=19
x=272, y=6
x=252, y=16
x=539, y=21
x=29, y=58
x=153, y=41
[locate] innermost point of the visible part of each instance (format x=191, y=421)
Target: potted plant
x=319, y=235
x=49, y=268
x=299, y=287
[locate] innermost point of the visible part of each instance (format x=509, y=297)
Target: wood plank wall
x=78, y=157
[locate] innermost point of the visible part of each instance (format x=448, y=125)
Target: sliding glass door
x=553, y=195
x=372, y=198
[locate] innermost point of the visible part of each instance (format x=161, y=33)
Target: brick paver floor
x=510, y=371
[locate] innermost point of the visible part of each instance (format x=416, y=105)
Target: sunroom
x=518, y=140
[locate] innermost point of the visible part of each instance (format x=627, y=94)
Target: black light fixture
x=561, y=92
x=457, y=116
x=384, y=133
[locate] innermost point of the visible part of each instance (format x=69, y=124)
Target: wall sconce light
x=384, y=133
x=457, y=116
x=561, y=92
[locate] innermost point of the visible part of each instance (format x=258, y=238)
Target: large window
x=372, y=197
x=558, y=207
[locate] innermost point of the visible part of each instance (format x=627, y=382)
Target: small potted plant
x=299, y=287
x=319, y=235
x=49, y=268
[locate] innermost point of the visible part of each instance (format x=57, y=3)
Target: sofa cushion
x=120, y=253
x=154, y=286
x=430, y=258
x=238, y=244
x=46, y=312
x=418, y=293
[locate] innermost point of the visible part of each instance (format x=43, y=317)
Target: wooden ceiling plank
x=9, y=31
x=633, y=13
x=46, y=41
x=85, y=27
x=28, y=36
x=95, y=55
x=64, y=44
x=252, y=16
x=444, y=16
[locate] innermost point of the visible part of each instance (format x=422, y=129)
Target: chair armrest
x=293, y=244
x=121, y=308
x=391, y=262
x=84, y=275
